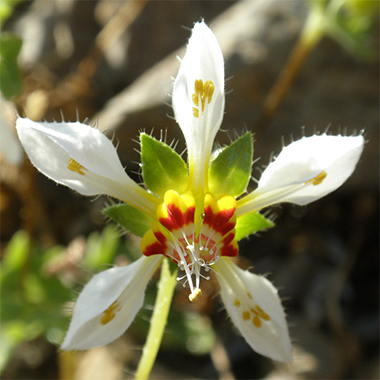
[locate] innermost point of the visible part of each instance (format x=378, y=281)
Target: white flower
x=196, y=228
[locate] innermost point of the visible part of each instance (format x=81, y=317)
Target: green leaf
x=101, y=248
x=16, y=253
x=162, y=168
x=251, y=223
x=133, y=220
x=10, y=76
x=230, y=172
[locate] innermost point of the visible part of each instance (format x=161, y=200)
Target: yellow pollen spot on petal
x=75, y=167
x=318, y=179
x=204, y=92
x=256, y=321
x=262, y=313
x=236, y=303
x=195, y=294
x=249, y=295
x=246, y=315
x=110, y=313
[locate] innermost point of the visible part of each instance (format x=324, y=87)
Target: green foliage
x=350, y=22
x=6, y=9
x=162, y=167
x=101, y=248
x=31, y=299
x=10, y=77
x=250, y=224
x=185, y=331
x=230, y=171
x=133, y=220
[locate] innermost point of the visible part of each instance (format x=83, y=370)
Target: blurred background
x=293, y=68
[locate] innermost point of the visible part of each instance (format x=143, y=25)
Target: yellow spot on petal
x=263, y=314
x=110, y=313
x=75, y=167
x=256, y=321
x=236, y=303
x=246, y=315
x=195, y=294
x=249, y=295
x=318, y=179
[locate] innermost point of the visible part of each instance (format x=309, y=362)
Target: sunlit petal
x=82, y=158
x=304, y=171
x=255, y=308
x=200, y=121
x=108, y=304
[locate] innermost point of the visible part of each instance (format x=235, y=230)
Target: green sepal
x=162, y=168
x=133, y=220
x=230, y=172
x=251, y=223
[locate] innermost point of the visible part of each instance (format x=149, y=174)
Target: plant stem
x=158, y=321
x=311, y=34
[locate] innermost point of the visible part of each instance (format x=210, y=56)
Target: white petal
x=50, y=146
x=293, y=175
x=203, y=60
x=124, y=286
x=242, y=293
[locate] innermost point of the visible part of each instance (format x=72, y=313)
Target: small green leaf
x=10, y=76
x=130, y=218
x=251, y=223
x=16, y=253
x=230, y=172
x=101, y=248
x=162, y=168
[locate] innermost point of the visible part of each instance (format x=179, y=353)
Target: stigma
x=194, y=235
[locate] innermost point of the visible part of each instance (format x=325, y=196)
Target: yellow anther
x=262, y=313
x=246, y=315
x=195, y=294
x=198, y=86
x=208, y=90
x=202, y=91
x=110, y=313
x=236, y=303
x=249, y=295
x=318, y=179
x=75, y=167
x=256, y=321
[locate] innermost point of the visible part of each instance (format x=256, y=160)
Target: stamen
x=202, y=92
x=318, y=179
x=195, y=294
x=75, y=167
x=110, y=313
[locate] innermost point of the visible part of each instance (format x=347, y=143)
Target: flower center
x=202, y=92
x=193, y=234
